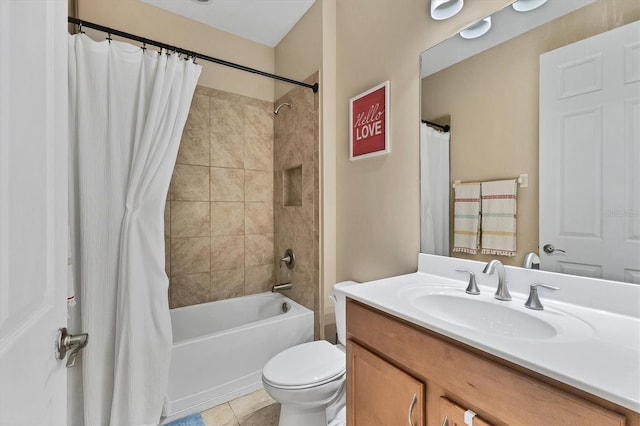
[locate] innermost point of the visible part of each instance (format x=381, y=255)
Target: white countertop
x=604, y=360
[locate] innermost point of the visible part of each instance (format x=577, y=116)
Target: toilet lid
x=307, y=364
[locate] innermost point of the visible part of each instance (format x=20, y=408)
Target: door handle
x=71, y=343
x=549, y=248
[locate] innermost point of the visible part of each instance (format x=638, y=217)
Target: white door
x=33, y=210
x=590, y=156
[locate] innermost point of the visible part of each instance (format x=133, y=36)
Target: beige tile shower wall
x=296, y=143
x=219, y=214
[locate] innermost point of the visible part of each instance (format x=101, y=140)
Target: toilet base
x=337, y=408
x=332, y=415
x=295, y=415
x=340, y=419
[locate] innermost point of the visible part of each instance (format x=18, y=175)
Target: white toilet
x=309, y=380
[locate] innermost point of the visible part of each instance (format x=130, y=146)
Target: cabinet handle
x=445, y=421
x=413, y=403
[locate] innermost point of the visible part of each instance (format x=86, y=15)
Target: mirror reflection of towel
x=466, y=218
x=499, y=217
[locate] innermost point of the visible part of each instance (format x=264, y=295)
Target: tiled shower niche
x=292, y=187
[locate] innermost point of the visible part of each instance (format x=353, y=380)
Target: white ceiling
x=262, y=21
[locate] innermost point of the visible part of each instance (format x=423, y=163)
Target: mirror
x=487, y=90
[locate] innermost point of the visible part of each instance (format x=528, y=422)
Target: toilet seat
x=305, y=366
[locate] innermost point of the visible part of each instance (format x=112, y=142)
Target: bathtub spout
x=284, y=286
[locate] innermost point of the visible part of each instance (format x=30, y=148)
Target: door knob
x=549, y=248
x=71, y=343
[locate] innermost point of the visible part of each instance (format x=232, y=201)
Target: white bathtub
x=220, y=348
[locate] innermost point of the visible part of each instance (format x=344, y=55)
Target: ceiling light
x=478, y=29
x=202, y=1
x=527, y=5
x=445, y=9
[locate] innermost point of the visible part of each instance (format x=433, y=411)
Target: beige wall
x=378, y=225
x=219, y=215
x=328, y=159
x=299, y=53
x=493, y=103
x=136, y=17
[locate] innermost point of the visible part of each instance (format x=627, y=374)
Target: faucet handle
x=472, y=287
x=533, y=302
x=289, y=258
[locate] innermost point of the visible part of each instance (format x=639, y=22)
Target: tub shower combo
x=220, y=348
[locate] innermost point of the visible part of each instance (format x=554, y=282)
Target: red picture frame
x=369, y=123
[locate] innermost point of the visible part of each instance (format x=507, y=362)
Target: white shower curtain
x=128, y=108
x=434, y=191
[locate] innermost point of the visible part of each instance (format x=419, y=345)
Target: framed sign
x=369, y=123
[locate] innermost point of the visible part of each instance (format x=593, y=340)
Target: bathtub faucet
x=284, y=286
x=289, y=259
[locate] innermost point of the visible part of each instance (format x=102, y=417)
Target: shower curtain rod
x=444, y=128
x=110, y=31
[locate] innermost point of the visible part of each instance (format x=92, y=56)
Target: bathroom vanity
x=420, y=350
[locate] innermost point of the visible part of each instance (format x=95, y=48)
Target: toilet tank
x=340, y=299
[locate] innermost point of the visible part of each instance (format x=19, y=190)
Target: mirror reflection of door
x=590, y=146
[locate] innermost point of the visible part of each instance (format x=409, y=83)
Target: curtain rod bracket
x=444, y=128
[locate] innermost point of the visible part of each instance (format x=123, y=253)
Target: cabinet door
x=453, y=415
x=379, y=393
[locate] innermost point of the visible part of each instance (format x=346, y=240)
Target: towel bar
x=523, y=181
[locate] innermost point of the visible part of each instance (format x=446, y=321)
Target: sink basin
x=485, y=314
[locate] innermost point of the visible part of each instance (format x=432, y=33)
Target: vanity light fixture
x=527, y=5
x=477, y=29
x=445, y=9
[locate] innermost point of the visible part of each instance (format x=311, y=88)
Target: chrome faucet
x=533, y=302
x=283, y=286
x=472, y=287
x=502, y=293
x=531, y=261
x=289, y=258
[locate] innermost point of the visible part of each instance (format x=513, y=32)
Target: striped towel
x=499, y=217
x=466, y=218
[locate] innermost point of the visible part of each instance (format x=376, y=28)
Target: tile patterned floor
x=255, y=409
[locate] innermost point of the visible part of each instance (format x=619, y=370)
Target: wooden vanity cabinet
x=454, y=415
x=386, y=394
x=389, y=360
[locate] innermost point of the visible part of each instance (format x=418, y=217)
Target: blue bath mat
x=192, y=420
